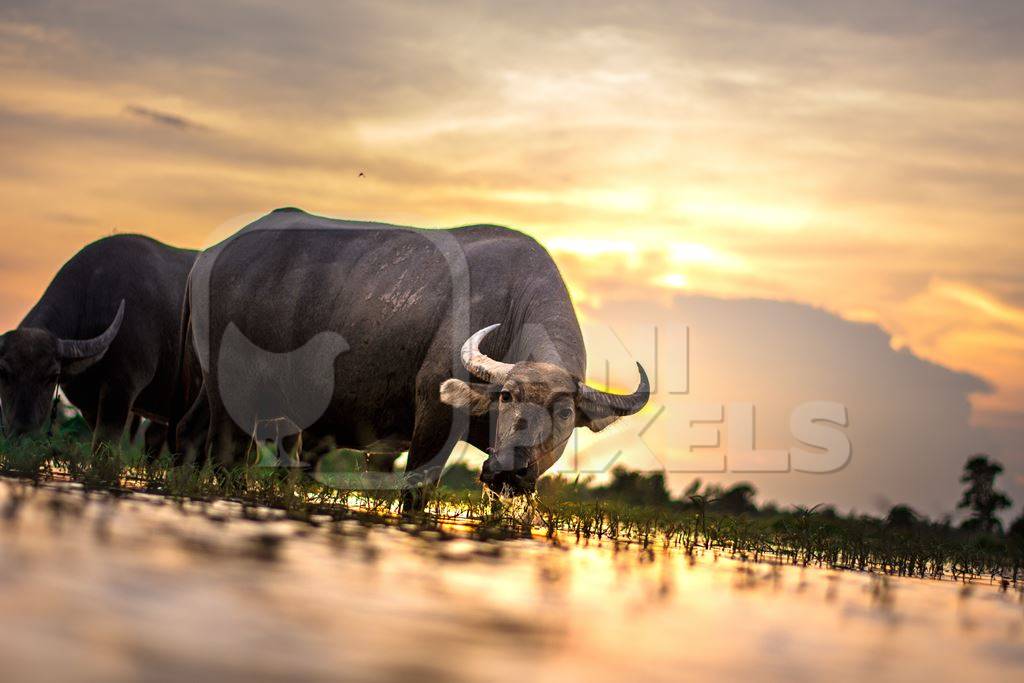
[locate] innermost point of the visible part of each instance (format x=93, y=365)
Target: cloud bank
x=910, y=420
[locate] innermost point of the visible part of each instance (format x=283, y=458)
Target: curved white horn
x=482, y=366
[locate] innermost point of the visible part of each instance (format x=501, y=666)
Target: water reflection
x=95, y=587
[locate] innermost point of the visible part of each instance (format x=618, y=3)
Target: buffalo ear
x=70, y=367
x=459, y=394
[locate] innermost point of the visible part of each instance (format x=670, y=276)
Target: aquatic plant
x=902, y=545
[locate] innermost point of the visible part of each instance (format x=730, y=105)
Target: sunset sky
x=866, y=158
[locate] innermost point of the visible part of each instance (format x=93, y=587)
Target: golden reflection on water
x=98, y=588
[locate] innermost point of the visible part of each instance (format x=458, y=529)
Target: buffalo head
x=33, y=361
x=538, y=405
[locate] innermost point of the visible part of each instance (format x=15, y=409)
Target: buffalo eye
x=505, y=396
x=5, y=375
x=565, y=413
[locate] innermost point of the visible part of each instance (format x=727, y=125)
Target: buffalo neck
x=542, y=327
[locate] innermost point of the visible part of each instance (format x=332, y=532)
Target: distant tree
x=635, y=488
x=981, y=496
x=692, y=490
x=736, y=499
x=902, y=516
x=559, y=487
x=1017, y=528
x=828, y=512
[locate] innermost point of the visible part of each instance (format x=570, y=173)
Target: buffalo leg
x=192, y=431
x=290, y=451
x=154, y=439
x=433, y=439
x=111, y=418
x=226, y=442
x=133, y=427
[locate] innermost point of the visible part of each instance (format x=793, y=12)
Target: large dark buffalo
x=106, y=329
x=363, y=332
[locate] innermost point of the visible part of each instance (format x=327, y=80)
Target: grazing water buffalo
x=364, y=333
x=106, y=329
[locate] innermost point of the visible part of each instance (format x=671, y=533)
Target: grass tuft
x=801, y=536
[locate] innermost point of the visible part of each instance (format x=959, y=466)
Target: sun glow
x=675, y=280
x=751, y=214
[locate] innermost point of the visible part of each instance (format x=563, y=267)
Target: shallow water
x=99, y=588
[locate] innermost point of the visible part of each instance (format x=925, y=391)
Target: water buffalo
x=364, y=333
x=106, y=329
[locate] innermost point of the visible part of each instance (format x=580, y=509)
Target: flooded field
x=95, y=587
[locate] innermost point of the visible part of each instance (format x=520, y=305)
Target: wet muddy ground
x=101, y=588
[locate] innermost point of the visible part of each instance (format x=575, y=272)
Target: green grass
x=561, y=510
